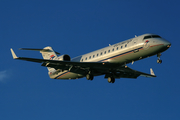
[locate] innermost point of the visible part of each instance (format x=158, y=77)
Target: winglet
x=13, y=54
x=152, y=72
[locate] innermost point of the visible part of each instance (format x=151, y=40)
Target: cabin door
x=135, y=44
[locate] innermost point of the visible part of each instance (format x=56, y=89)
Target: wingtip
x=152, y=72
x=13, y=54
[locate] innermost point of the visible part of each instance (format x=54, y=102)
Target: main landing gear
x=89, y=77
x=159, y=60
x=110, y=77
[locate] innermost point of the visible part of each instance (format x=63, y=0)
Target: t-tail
x=48, y=54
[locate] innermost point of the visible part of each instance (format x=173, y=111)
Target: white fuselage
x=123, y=53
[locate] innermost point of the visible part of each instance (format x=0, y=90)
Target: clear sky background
x=76, y=27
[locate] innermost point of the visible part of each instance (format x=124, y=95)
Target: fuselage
x=123, y=53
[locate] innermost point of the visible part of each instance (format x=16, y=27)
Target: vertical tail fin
x=48, y=53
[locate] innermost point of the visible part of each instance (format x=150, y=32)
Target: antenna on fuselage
x=135, y=35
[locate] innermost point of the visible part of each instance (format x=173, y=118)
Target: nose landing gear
x=159, y=60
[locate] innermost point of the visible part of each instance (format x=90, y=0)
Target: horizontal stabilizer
x=41, y=50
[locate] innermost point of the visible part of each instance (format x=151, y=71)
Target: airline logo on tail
x=52, y=57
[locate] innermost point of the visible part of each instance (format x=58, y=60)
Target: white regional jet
x=109, y=61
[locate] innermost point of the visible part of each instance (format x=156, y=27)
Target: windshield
x=152, y=36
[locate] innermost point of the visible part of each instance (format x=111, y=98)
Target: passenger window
x=89, y=57
x=113, y=49
x=117, y=48
x=86, y=58
x=121, y=47
x=82, y=60
x=108, y=51
x=126, y=45
x=105, y=52
x=97, y=54
x=93, y=56
x=101, y=53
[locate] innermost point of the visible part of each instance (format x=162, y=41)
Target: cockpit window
x=147, y=37
x=152, y=36
x=156, y=36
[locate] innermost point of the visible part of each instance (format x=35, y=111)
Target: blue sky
x=77, y=27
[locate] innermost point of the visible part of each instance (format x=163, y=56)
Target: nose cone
x=167, y=43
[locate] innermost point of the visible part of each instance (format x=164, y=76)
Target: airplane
x=110, y=61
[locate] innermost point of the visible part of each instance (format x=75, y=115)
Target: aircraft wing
x=127, y=72
x=66, y=64
x=98, y=68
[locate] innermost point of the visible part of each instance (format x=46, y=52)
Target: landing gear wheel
x=89, y=77
x=111, y=79
x=159, y=61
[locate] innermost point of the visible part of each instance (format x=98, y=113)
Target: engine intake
x=64, y=58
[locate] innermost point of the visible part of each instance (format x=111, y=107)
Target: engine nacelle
x=64, y=58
